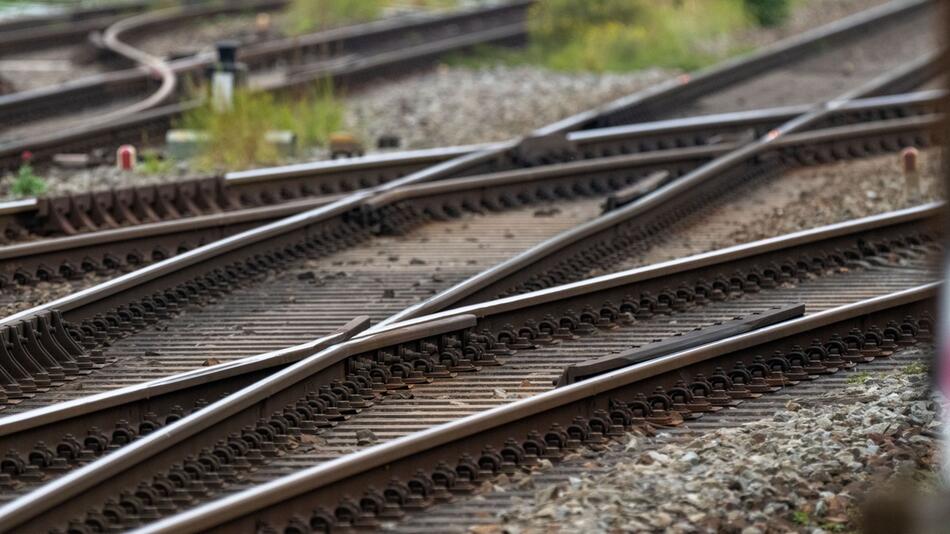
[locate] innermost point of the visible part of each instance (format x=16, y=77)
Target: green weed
x=801, y=517
x=915, y=368
x=153, y=163
x=27, y=183
x=314, y=15
x=834, y=527
x=859, y=378
x=626, y=35
x=768, y=12
x=237, y=136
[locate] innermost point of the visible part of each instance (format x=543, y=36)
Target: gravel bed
x=803, y=198
x=457, y=105
x=19, y=298
x=808, y=468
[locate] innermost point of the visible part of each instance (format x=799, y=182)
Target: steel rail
x=108, y=298
x=216, y=221
x=728, y=74
x=641, y=105
x=263, y=392
x=370, y=203
x=488, y=315
x=502, y=310
x=576, y=295
x=306, y=489
x=57, y=29
x=493, y=281
x=293, y=181
x=72, y=15
x=61, y=412
x=66, y=214
x=149, y=276
x=466, y=24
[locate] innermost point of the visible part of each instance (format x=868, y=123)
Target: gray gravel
x=802, y=470
x=455, y=105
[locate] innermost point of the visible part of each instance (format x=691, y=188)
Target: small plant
x=27, y=183
x=801, y=517
x=859, y=378
x=833, y=527
x=624, y=35
x=312, y=15
x=237, y=136
x=153, y=163
x=768, y=12
x=915, y=368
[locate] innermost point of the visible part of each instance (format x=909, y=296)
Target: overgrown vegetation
x=311, y=15
x=859, y=378
x=314, y=15
x=625, y=35
x=26, y=183
x=237, y=137
x=915, y=368
x=768, y=12
x=153, y=163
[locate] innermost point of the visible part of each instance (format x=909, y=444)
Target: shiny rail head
x=407, y=454
x=928, y=214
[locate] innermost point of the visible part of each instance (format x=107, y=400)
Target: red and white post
x=125, y=158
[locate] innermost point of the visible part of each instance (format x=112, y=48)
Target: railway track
x=350, y=56
x=599, y=173
x=453, y=460
x=460, y=362
x=68, y=215
x=97, y=319
x=844, y=35
x=182, y=441
x=593, y=461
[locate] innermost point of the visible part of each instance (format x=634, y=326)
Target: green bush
x=27, y=183
x=768, y=12
x=312, y=15
x=623, y=35
x=555, y=22
x=237, y=136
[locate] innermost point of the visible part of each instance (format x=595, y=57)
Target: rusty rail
x=525, y=268
x=852, y=243
x=590, y=410
x=72, y=214
x=374, y=42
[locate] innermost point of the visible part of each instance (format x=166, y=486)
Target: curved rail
x=496, y=280
x=90, y=212
x=370, y=45
x=403, y=458
x=157, y=67
x=48, y=258
x=491, y=316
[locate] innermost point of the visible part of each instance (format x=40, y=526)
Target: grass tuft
x=315, y=15
x=768, y=12
x=237, y=136
x=915, y=368
x=859, y=378
x=627, y=35
x=27, y=183
x=153, y=163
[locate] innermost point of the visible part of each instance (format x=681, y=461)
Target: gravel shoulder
x=806, y=459
x=803, y=198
